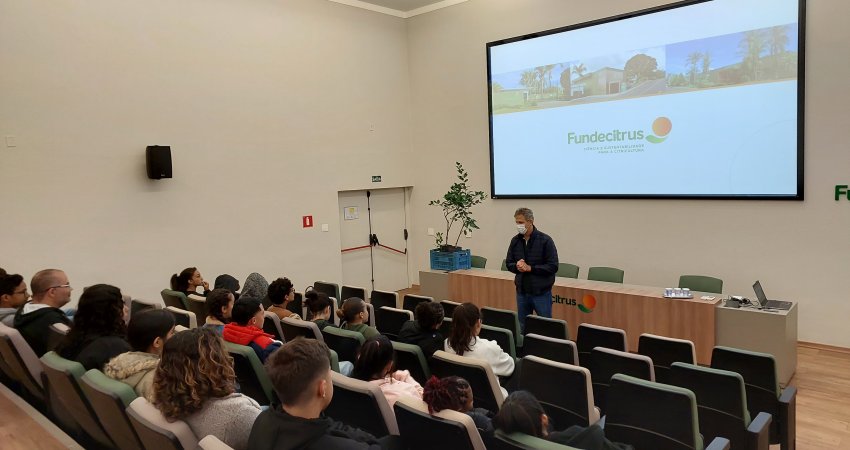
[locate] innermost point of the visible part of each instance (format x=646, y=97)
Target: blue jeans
x=526, y=303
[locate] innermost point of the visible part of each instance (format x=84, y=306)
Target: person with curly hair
x=281, y=293
x=455, y=393
x=374, y=364
x=99, y=332
x=195, y=382
x=188, y=281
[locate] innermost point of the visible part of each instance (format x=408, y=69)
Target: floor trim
x=831, y=348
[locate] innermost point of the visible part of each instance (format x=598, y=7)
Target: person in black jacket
x=424, y=330
x=51, y=290
x=99, y=332
x=301, y=375
x=532, y=256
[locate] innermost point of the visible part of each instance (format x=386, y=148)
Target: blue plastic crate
x=451, y=260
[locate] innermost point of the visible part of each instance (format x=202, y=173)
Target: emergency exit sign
x=376, y=178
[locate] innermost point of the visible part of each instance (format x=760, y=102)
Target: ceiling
x=400, y=8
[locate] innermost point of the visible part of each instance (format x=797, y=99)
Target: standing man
x=532, y=256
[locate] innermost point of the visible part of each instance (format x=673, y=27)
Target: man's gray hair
x=524, y=212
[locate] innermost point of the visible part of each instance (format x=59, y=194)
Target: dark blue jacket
x=539, y=253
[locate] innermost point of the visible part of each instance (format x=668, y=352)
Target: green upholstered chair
x=411, y=301
x=664, y=351
x=478, y=262
x=63, y=381
x=545, y=326
x=361, y=404
x=345, y=342
x=502, y=336
x=564, y=391
x=384, y=298
x=502, y=318
x=504, y=265
x=447, y=429
x=252, y=377
x=722, y=405
x=110, y=398
x=522, y=441
x=609, y=274
x=330, y=289
x=485, y=385
x=410, y=357
x=607, y=362
x=763, y=392
x=390, y=320
x=567, y=270
x=671, y=422
x=176, y=299
x=554, y=349
x=701, y=283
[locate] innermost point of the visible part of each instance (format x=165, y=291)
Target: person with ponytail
x=356, y=317
x=521, y=412
x=375, y=364
x=188, y=281
x=464, y=341
x=455, y=393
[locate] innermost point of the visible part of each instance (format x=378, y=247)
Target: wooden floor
x=823, y=407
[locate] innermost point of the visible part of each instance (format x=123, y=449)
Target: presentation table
x=635, y=309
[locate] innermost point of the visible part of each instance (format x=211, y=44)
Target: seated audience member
x=229, y=282
x=464, y=341
x=281, y=293
x=255, y=287
x=246, y=328
x=455, y=393
x=13, y=295
x=300, y=373
x=219, y=309
x=2, y=272
x=319, y=308
x=195, y=382
x=375, y=365
x=424, y=330
x=521, y=412
x=147, y=332
x=188, y=281
x=99, y=332
x=51, y=290
x=356, y=317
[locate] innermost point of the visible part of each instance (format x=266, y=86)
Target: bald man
x=51, y=290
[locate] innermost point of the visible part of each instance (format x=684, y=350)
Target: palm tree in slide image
x=693, y=59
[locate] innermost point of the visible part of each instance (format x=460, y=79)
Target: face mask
x=520, y=228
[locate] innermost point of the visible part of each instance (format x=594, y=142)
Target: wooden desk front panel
x=635, y=309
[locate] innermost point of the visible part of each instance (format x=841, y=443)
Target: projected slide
x=666, y=104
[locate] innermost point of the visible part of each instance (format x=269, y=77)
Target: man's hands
x=522, y=266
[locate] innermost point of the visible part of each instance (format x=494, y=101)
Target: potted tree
x=456, y=204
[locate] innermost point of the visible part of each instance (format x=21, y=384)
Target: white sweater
x=501, y=362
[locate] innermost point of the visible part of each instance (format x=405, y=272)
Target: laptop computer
x=769, y=304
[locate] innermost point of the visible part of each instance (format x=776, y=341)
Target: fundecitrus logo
x=661, y=127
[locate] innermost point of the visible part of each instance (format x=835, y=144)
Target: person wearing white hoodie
x=147, y=333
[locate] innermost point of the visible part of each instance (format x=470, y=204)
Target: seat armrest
x=759, y=432
x=788, y=419
x=719, y=443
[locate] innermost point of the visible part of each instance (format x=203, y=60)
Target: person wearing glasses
x=281, y=293
x=13, y=294
x=51, y=290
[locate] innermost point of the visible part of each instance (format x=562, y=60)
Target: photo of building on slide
x=756, y=56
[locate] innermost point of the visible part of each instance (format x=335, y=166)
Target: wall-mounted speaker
x=158, y=161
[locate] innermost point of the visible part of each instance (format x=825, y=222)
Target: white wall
x=267, y=106
x=799, y=250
